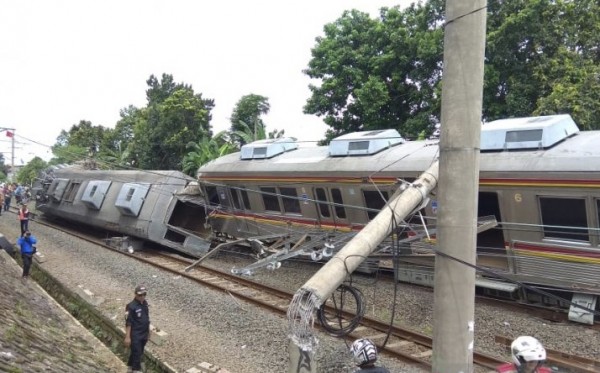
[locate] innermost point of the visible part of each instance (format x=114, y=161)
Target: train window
x=72, y=191
x=374, y=202
x=57, y=189
x=94, y=189
x=340, y=211
x=564, y=218
x=270, y=199
x=245, y=199
x=322, y=197
x=212, y=195
x=235, y=198
x=289, y=197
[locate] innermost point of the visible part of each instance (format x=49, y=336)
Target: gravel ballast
x=208, y=326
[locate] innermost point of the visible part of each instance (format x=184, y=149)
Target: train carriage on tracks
x=539, y=178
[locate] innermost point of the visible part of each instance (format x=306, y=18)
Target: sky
x=63, y=61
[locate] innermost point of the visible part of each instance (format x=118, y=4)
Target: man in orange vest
x=24, y=218
x=528, y=355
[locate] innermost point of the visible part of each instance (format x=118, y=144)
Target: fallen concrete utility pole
x=322, y=285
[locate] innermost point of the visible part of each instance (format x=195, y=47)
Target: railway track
x=401, y=343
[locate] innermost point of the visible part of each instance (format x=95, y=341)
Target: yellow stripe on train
x=558, y=256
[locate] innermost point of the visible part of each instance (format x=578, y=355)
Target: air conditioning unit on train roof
x=527, y=133
x=268, y=148
x=364, y=142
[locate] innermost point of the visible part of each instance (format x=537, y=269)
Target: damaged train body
x=539, y=187
x=157, y=206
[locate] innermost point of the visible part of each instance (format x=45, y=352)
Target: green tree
x=119, y=141
x=206, y=150
x=4, y=168
x=82, y=141
x=542, y=58
x=68, y=154
x=249, y=110
x=379, y=73
x=249, y=133
x=28, y=173
x=174, y=117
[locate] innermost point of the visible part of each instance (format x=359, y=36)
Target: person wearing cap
x=27, y=242
x=137, y=328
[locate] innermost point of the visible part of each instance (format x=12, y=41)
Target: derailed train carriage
x=539, y=178
x=157, y=206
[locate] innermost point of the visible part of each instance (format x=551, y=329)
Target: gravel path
x=204, y=325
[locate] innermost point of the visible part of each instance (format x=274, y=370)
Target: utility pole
x=322, y=284
x=462, y=91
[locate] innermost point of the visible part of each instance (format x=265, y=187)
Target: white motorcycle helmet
x=364, y=351
x=525, y=349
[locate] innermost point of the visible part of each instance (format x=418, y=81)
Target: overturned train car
x=157, y=206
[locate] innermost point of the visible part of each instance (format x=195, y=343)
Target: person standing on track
x=24, y=218
x=137, y=328
x=27, y=242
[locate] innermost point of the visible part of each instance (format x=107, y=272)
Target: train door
x=491, y=248
x=241, y=206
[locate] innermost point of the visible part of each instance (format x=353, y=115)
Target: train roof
x=128, y=176
x=580, y=152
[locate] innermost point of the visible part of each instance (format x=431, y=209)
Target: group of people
x=528, y=356
x=21, y=193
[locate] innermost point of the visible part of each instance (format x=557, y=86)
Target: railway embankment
x=37, y=334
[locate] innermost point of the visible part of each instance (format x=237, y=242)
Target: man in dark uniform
x=137, y=328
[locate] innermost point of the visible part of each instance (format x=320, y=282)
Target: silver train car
x=539, y=179
x=157, y=206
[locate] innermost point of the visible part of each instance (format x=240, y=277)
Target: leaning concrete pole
x=320, y=287
x=462, y=91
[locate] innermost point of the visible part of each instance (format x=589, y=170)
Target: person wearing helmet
x=365, y=355
x=528, y=355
